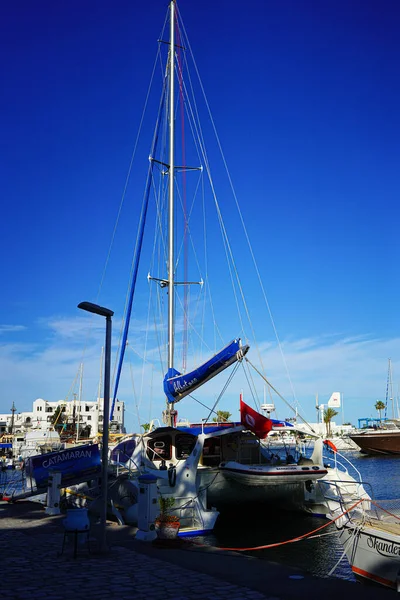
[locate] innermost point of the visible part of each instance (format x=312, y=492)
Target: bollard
x=53, y=493
x=147, y=508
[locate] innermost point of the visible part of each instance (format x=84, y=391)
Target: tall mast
x=171, y=210
x=390, y=387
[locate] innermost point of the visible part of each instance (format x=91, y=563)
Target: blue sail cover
x=177, y=386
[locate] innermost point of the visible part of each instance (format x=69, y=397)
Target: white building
x=87, y=414
x=22, y=422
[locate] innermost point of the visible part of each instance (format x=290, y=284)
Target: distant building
x=86, y=414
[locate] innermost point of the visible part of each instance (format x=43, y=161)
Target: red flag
x=253, y=421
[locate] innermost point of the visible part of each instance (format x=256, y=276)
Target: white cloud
x=11, y=328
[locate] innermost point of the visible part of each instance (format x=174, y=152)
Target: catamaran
x=214, y=464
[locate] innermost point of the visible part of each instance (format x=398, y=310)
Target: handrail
x=351, y=464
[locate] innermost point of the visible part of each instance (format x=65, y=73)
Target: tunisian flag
x=253, y=421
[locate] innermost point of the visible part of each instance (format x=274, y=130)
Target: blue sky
x=305, y=97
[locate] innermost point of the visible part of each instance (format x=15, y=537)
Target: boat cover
x=177, y=386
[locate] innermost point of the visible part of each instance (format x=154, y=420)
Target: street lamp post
x=107, y=313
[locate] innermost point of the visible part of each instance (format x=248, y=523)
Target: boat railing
x=345, y=491
x=129, y=467
x=339, y=463
x=187, y=510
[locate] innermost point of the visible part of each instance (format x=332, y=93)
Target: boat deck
x=388, y=526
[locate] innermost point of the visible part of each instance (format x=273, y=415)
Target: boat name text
x=383, y=548
x=55, y=460
x=181, y=386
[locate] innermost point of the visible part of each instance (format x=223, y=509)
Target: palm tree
x=329, y=413
x=379, y=406
x=222, y=415
x=58, y=418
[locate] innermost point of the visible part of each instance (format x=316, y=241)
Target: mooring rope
x=296, y=539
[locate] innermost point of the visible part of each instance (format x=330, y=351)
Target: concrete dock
x=32, y=567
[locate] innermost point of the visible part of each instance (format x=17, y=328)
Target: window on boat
x=160, y=448
x=184, y=445
x=212, y=452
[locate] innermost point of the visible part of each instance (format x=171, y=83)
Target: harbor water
x=322, y=552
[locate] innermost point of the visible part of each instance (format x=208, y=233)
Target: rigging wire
x=231, y=376
x=137, y=253
x=243, y=225
x=123, y=196
x=276, y=392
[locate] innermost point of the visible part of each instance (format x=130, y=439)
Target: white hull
x=373, y=551
x=179, y=480
x=234, y=484
x=326, y=498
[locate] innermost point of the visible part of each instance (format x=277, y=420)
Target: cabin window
x=184, y=445
x=159, y=448
x=212, y=452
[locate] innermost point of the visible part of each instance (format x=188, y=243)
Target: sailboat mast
x=390, y=387
x=171, y=208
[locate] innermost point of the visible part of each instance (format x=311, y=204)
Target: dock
x=32, y=567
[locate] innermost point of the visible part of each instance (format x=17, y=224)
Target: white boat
x=342, y=483
x=36, y=441
x=279, y=485
x=323, y=497
x=233, y=468
x=370, y=534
